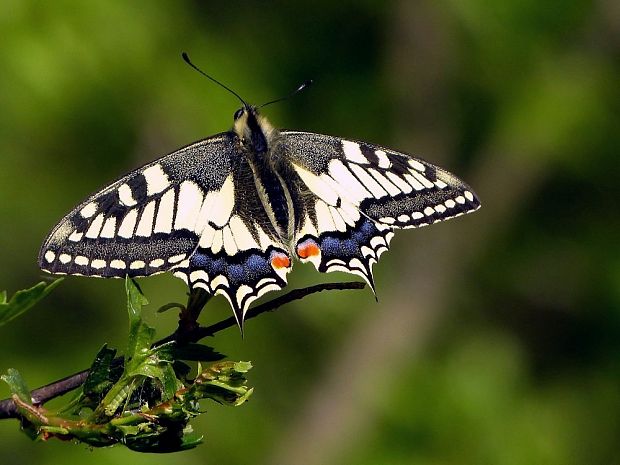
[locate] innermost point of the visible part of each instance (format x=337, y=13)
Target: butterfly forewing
x=143, y=223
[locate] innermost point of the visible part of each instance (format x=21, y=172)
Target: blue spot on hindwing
x=257, y=265
x=236, y=274
x=347, y=245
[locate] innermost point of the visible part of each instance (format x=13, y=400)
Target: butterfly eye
x=238, y=114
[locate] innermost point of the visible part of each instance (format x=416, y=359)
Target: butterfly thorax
x=253, y=130
x=261, y=144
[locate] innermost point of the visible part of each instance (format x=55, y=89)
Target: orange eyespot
x=308, y=249
x=279, y=260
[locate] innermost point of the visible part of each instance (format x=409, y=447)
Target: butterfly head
x=252, y=129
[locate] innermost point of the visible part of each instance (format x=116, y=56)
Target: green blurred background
x=496, y=339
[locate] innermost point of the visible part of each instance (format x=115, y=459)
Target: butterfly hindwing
x=239, y=254
x=356, y=193
x=145, y=222
x=352, y=250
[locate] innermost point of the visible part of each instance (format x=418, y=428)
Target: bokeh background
x=496, y=338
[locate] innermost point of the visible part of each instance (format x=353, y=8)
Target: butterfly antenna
x=303, y=86
x=188, y=61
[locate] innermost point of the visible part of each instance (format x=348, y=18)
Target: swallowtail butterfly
x=232, y=212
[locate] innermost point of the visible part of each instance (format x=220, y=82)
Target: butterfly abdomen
x=273, y=195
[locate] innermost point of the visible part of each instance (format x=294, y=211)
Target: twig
x=8, y=409
x=296, y=294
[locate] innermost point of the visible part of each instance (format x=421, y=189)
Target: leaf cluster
x=143, y=400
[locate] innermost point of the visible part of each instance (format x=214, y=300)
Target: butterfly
x=232, y=212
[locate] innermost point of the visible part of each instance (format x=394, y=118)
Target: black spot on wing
x=369, y=152
x=399, y=164
x=430, y=172
x=110, y=204
x=138, y=187
x=80, y=224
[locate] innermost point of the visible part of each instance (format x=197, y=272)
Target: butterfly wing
x=354, y=194
x=194, y=212
x=141, y=224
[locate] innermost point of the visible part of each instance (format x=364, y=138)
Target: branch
x=296, y=294
x=55, y=389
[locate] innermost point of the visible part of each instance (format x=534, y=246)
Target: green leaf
x=242, y=367
x=197, y=353
x=23, y=300
x=157, y=365
x=190, y=439
x=135, y=300
x=223, y=382
x=165, y=352
x=101, y=375
x=116, y=396
x=141, y=335
x=148, y=370
x=17, y=385
x=169, y=382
